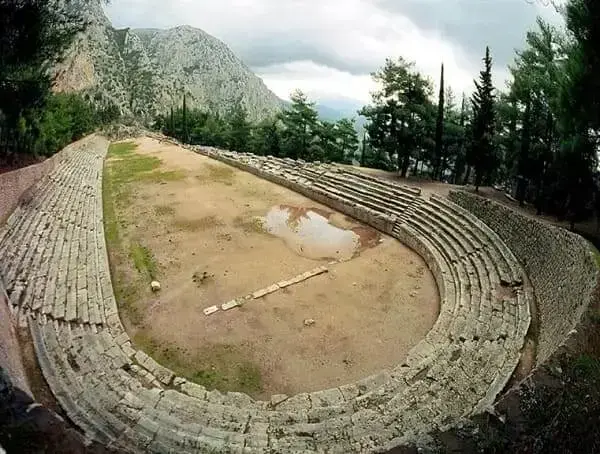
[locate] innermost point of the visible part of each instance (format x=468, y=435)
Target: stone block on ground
x=210, y=310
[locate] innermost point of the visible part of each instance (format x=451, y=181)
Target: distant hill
x=336, y=109
x=146, y=71
x=345, y=110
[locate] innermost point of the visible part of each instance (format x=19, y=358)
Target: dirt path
x=196, y=230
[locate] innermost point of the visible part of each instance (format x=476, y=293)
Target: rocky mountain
x=146, y=71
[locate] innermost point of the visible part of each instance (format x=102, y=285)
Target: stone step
x=356, y=198
x=390, y=194
x=512, y=272
x=410, y=191
x=478, y=274
x=484, y=267
x=471, y=225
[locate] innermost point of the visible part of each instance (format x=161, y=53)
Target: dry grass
x=198, y=225
x=164, y=210
x=249, y=225
x=219, y=173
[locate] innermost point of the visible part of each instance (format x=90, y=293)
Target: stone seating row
x=356, y=187
x=123, y=398
x=477, y=269
x=46, y=237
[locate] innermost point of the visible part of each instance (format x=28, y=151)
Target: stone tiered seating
x=57, y=270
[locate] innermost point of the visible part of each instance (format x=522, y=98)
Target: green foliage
x=548, y=120
x=238, y=137
x=480, y=151
x=295, y=133
x=401, y=114
x=300, y=129
x=33, y=37
x=265, y=139
x=66, y=117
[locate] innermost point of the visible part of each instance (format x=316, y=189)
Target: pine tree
x=172, y=123
x=185, y=137
x=34, y=36
x=481, y=155
x=299, y=127
x=439, y=129
x=238, y=136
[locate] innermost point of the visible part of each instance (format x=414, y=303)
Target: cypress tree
x=481, y=151
x=185, y=128
x=439, y=128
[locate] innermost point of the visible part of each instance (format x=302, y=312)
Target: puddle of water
x=309, y=233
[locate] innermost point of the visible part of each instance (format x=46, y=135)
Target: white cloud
x=317, y=81
x=326, y=48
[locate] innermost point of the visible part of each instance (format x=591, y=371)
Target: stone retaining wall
x=560, y=266
x=10, y=353
x=14, y=185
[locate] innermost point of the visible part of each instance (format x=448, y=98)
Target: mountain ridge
x=145, y=72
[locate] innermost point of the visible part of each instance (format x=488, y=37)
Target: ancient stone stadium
x=511, y=289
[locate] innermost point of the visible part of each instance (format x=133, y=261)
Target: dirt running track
x=203, y=232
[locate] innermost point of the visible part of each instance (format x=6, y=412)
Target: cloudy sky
x=328, y=48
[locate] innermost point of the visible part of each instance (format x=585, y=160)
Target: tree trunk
x=467, y=176
x=405, y=165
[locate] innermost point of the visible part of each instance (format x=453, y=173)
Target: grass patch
x=121, y=149
x=159, y=177
x=217, y=173
x=220, y=366
x=143, y=260
x=164, y=210
x=249, y=225
x=196, y=225
x=126, y=290
x=128, y=167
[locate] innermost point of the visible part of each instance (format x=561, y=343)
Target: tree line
x=296, y=132
x=537, y=137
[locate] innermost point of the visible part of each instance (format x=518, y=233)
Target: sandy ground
x=368, y=311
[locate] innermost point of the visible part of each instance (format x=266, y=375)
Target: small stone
x=413, y=294
x=309, y=322
x=155, y=286
x=210, y=310
x=178, y=381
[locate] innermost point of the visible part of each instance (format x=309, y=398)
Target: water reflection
x=309, y=232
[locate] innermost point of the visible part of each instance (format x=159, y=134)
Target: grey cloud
x=271, y=50
x=468, y=24
x=473, y=24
